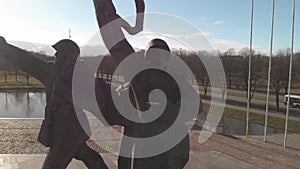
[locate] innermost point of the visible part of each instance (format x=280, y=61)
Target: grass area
x=32, y=82
x=275, y=122
x=256, y=97
x=21, y=81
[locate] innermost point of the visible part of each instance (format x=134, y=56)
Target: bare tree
x=257, y=67
x=280, y=73
x=232, y=66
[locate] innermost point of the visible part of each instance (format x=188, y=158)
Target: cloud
x=193, y=35
x=218, y=22
x=175, y=40
x=223, y=45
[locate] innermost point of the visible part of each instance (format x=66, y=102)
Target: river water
x=22, y=104
x=32, y=105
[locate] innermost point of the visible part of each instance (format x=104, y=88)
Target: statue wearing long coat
x=61, y=124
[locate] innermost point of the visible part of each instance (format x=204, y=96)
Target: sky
x=225, y=23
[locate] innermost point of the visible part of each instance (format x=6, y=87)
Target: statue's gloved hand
x=2, y=46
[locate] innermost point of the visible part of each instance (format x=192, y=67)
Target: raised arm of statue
x=110, y=24
x=140, y=9
x=25, y=61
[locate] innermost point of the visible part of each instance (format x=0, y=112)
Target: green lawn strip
x=275, y=122
x=22, y=81
x=295, y=91
x=202, y=90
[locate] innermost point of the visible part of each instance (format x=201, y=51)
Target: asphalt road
x=258, y=104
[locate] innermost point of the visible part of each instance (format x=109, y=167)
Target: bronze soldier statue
x=61, y=130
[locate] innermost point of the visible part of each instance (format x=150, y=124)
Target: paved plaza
x=198, y=159
x=19, y=149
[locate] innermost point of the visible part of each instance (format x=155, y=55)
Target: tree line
x=236, y=67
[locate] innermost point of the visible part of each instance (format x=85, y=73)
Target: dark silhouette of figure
x=140, y=88
x=147, y=81
x=61, y=130
x=106, y=13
